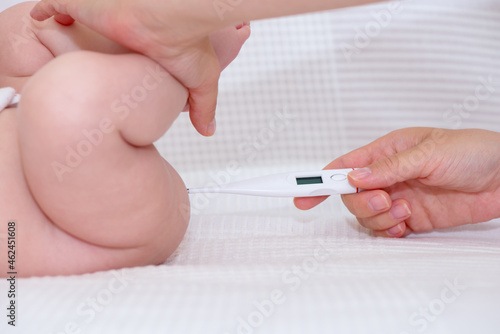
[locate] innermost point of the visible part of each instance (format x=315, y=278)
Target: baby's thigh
x=86, y=177
x=129, y=89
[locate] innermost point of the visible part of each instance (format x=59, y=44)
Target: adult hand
x=420, y=179
x=175, y=34
x=179, y=42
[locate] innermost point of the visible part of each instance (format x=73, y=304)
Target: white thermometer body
x=299, y=184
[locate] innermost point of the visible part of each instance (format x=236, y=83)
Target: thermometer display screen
x=309, y=180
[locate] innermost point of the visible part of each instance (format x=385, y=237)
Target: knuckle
x=393, y=166
x=421, y=225
x=352, y=205
x=363, y=222
x=369, y=223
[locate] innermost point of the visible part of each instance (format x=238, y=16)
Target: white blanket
x=305, y=90
x=8, y=98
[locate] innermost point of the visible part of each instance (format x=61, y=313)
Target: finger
x=357, y=158
x=398, y=231
x=204, y=91
x=203, y=102
x=306, y=203
x=203, y=97
x=198, y=69
x=399, y=212
x=360, y=157
x=368, y=203
x=407, y=165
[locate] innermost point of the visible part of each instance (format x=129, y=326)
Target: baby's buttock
x=33, y=229
x=44, y=248
x=39, y=239
x=16, y=202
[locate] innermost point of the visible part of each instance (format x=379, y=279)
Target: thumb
x=198, y=69
x=202, y=104
x=406, y=165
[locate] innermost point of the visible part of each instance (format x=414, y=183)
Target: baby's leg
x=87, y=122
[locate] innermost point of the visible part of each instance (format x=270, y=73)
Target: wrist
x=208, y=15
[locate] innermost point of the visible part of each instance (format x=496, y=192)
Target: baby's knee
x=69, y=89
x=69, y=77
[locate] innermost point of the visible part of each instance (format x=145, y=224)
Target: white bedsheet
x=305, y=90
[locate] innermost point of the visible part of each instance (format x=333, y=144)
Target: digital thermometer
x=300, y=184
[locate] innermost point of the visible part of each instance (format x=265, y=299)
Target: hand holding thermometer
x=299, y=184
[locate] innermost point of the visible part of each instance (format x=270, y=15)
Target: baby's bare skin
x=87, y=189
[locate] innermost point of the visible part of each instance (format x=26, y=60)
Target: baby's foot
x=227, y=42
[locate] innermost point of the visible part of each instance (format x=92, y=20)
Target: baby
x=81, y=179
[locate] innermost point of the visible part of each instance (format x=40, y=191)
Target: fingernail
x=400, y=211
x=395, y=230
x=211, y=128
x=378, y=203
x=361, y=173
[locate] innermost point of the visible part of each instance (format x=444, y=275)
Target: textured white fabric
x=8, y=98
x=304, y=90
